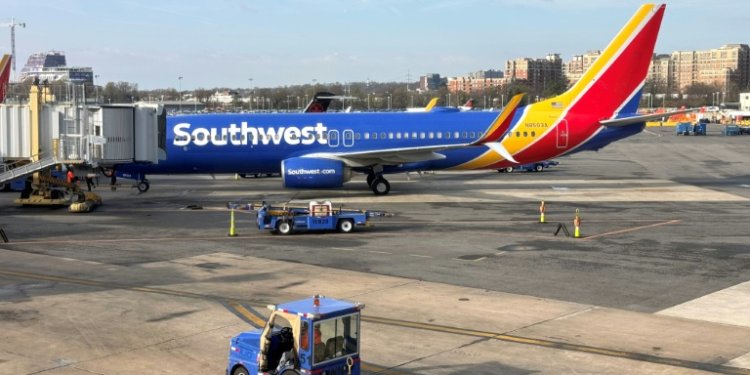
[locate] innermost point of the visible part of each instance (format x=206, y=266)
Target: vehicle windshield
x=339, y=337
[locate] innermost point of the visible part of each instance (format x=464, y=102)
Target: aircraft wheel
x=285, y=227
x=143, y=186
x=240, y=371
x=539, y=167
x=345, y=226
x=380, y=186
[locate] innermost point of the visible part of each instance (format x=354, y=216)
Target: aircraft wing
x=625, y=121
x=392, y=156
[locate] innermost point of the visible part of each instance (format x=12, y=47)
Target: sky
x=269, y=43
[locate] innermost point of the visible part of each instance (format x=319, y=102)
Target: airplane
x=324, y=150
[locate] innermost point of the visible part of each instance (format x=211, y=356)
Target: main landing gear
x=378, y=184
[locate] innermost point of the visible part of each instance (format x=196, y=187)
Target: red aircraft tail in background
x=4, y=76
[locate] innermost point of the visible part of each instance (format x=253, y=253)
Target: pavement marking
x=246, y=313
x=419, y=256
x=561, y=345
x=500, y=253
x=632, y=229
x=408, y=324
x=480, y=259
x=378, y=252
x=342, y=249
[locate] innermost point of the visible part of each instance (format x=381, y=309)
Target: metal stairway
x=27, y=169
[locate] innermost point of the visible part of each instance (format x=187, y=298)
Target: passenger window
x=382, y=135
x=464, y=135
x=439, y=135
x=432, y=135
x=525, y=134
x=533, y=134
x=456, y=135
x=472, y=135
x=422, y=135
x=356, y=136
x=406, y=135
x=414, y=135
x=390, y=135
x=447, y=135
x=398, y=135
x=374, y=135
x=333, y=135
x=518, y=134
x=367, y=135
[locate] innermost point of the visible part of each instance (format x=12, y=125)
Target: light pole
x=179, y=93
x=96, y=88
x=389, y=101
x=250, y=97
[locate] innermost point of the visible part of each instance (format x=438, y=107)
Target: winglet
x=431, y=105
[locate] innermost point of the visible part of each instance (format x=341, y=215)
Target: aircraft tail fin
x=613, y=83
x=5, y=64
x=319, y=102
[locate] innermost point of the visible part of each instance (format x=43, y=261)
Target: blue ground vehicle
x=316, y=217
x=316, y=335
x=531, y=167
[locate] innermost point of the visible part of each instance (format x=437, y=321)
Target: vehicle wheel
x=289, y=371
x=240, y=371
x=380, y=186
x=143, y=186
x=243, y=175
x=370, y=179
x=284, y=227
x=539, y=167
x=509, y=169
x=345, y=226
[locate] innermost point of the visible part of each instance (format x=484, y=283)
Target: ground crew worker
x=90, y=180
x=71, y=177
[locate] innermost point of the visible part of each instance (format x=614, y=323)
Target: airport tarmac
x=463, y=279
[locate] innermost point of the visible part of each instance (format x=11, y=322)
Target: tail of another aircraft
x=5, y=65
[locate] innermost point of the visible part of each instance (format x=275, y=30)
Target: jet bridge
x=45, y=134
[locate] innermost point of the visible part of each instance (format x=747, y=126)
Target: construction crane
x=12, y=24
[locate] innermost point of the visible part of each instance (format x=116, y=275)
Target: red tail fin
x=5, y=64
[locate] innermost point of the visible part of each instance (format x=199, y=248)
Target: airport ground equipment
x=316, y=335
x=699, y=128
x=684, y=128
x=55, y=128
x=531, y=167
x=731, y=130
x=317, y=216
